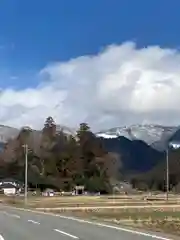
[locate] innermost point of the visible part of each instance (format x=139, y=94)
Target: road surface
x=16, y=224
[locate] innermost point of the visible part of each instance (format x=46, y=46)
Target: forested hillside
x=59, y=160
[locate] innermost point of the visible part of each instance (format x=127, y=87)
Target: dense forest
x=60, y=160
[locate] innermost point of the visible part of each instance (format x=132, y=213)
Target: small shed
x=79, y=190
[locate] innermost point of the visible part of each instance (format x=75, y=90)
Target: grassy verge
x=62, y=202
x=121, y=214
x=162, y=221
x=158, y=219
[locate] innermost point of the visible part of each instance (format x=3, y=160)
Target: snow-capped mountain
x=7, y=133
x=154, y=135
x=66, y=130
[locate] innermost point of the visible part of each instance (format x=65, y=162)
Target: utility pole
x=25, y=146
x=174, y=145
x=167, y=174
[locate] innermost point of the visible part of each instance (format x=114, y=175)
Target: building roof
x=49, y=190
x=7, y=185
x=10, y=181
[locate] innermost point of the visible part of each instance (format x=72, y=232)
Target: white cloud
x=120, y=86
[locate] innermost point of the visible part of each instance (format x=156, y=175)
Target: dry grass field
x=120, y=201
x=136, y=211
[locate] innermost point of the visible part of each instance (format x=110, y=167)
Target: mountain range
x=155, y=136
x=141, y=148
x=7, y=133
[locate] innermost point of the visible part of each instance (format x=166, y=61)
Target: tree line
x=60, y=160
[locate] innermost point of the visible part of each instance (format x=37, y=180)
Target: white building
x=10, y=186
x=8, y=189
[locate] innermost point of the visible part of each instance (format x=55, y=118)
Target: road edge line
x=1, y=237
x=94, y=223
x=66, y=234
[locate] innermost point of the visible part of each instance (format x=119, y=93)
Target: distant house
x=10, y=186
x=8, y=189
x=123, y=187
x=48, y=193
x=79, y=190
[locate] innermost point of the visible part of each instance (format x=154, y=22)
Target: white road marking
x=97, y=224
x=14, y=215
x=10, y=215
x=65, y=233
x=1, y=237
x=32, y=221
x=117, y=228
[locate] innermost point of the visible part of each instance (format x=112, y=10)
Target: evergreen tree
x=62, y=160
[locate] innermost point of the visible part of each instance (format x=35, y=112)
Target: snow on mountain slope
x=66, y=130
x=154, y=135
x=148, y=133
x=7, y=133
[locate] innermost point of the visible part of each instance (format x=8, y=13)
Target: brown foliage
x=61, y=159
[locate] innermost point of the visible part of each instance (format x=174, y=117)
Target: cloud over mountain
x=121, y=85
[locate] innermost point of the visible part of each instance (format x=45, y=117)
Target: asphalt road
x=18, y=224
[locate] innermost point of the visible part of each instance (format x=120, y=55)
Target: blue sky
x=130, y=49
x=34, y=33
